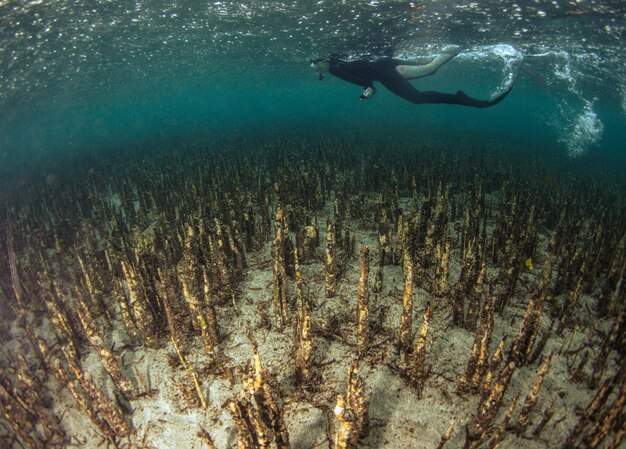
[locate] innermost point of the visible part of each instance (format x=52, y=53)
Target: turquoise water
x=95, y=76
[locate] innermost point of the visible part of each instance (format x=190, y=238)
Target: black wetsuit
x=364, y=72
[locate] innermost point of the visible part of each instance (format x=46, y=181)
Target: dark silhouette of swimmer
x=394, y=75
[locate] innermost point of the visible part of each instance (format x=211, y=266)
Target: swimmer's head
x=320, y=66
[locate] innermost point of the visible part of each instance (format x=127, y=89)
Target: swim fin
x=466, y=100
x=463, y=99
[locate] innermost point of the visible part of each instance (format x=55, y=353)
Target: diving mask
x=320, y=66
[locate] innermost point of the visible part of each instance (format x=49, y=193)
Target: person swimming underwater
x=394, y=75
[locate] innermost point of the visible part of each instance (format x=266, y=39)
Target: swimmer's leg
x=410, y=71
x=402, y=88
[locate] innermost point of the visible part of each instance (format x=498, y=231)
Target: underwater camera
x=367, y=93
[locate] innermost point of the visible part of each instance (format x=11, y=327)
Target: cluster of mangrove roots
x=524, y=259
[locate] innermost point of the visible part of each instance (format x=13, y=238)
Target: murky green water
x=90, y=76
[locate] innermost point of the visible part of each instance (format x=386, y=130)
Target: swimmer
x=394, y=75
